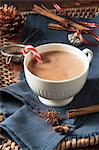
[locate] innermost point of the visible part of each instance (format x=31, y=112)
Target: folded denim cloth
x=20, y=105
x=26, y=127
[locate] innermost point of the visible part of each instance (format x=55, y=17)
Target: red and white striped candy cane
x=28, y=48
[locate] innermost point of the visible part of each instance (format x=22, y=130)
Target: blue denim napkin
x=20, y=105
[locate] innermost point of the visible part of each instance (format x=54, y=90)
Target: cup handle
x=88, y=53
x=8, y=59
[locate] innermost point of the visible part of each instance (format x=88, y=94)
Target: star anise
x=52, y=117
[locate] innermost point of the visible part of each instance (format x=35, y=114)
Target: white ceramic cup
x=58, y=93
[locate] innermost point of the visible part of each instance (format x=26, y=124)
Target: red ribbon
x=88, y=24
x=87, y=42
x=58, y=7
x=94, y=35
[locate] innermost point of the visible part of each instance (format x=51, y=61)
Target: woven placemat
x=10, y=74
x=84, y=12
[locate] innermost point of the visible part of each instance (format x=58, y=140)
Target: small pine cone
x=11, y=21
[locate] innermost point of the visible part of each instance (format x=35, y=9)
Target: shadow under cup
x=58, y=93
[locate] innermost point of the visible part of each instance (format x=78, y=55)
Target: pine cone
x=11, y=21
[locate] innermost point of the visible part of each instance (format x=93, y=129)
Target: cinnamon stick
x=60, y=27
x=62, y=20
x=48, y=14
x=56, y=26
x=82, y=111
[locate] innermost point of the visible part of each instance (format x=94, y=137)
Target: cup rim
x=54, y=81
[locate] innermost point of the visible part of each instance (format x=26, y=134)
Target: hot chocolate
x=58, y=65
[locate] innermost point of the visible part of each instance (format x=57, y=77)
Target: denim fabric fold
x=31, y=131
x=25, y=124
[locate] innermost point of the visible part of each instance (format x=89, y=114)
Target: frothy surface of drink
x=58, y=65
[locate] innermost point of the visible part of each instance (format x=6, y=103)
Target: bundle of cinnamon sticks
x=65, y=23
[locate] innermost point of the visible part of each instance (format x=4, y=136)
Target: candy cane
x=28, y=48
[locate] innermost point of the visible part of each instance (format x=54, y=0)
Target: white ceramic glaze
x=58, y=93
